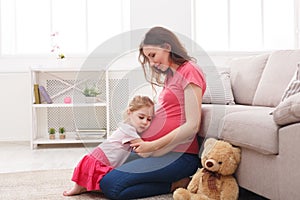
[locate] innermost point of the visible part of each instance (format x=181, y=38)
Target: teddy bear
x=215, y=179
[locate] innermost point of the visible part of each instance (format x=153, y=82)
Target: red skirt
x=91, y=169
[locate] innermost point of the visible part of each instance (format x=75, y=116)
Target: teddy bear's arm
x=195, y=182
x=230, y=189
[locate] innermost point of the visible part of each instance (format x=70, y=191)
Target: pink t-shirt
x=170, y=113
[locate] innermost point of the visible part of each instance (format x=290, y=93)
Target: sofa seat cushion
x=212, y=114
x=254, y=129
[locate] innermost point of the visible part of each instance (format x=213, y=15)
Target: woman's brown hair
x=159, y=36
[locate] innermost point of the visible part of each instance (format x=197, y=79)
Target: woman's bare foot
x=77, y=189
x=182, y=183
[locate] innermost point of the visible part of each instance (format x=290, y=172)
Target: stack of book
x=41, y=95
x=90, y=133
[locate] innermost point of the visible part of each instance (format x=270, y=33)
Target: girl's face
x=141, y=119
x=158, y=57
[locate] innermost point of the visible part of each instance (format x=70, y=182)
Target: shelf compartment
x=60, y=84
x=68, y=140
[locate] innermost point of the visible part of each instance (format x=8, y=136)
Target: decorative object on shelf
x=45, y=95
x=52, y=132
x=55, y=46
x=91, y=94
x=91, y=99
x=37, y=97
x=62, y=134
x=67, y=100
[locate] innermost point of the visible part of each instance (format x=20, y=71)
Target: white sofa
x=270, y=143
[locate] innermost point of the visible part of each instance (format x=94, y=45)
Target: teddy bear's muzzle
x=211, y=165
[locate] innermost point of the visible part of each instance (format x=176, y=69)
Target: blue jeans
x=144, y=177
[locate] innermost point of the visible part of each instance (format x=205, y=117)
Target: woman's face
x=158, y=57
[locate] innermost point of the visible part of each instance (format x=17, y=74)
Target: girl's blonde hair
x=137, y=103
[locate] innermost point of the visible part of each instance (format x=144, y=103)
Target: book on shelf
x=45, y=95
x=37, y=98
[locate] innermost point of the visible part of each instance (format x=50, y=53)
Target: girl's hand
x=142, y=147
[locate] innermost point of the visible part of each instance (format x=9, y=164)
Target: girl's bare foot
x=77, y=189
x=182, y=183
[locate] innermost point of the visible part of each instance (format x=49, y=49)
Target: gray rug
x=47, y=185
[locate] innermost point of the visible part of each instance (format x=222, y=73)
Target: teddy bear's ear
x=208, y=145
x=237, y=154
x=210, y=142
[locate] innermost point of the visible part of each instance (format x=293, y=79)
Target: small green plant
x=61, y=130
x=62, y=134
x=91, y=92
x=52, y=131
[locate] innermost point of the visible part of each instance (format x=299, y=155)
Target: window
x=82, y=25
x=247, y=25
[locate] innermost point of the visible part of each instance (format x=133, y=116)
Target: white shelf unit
x=67, y=82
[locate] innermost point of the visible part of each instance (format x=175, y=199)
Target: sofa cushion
x=253, y=129
x=288, y=111
x=276, y=76
x=294, y=85
x=218, y=90
x=246, y=73
x=212, y=114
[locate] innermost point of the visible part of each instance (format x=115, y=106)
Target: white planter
x=91, y=99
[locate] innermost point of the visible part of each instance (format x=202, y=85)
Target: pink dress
x=112, y=153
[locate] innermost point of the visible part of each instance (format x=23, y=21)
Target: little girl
x=114, y=151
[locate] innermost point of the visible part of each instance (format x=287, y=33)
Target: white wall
x=14, y=106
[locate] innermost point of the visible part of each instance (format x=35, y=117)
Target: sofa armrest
x=288, y=161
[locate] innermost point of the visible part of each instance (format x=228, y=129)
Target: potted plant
x=90, y=94
x=62, y=134
x=52, y=133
